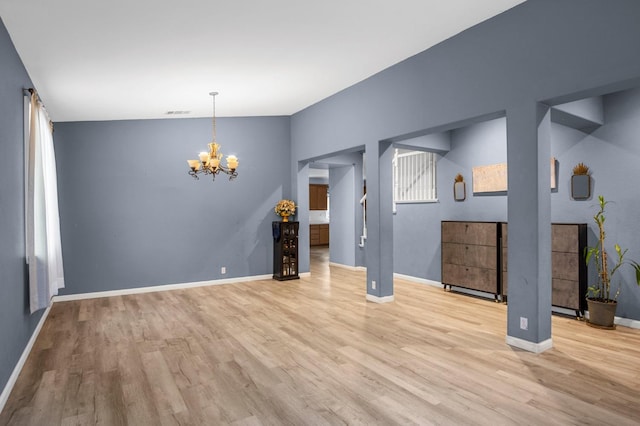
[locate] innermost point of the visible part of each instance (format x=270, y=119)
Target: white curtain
x=44, y=248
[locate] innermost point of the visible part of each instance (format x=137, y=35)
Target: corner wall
x=16, y=324
x=132, y=217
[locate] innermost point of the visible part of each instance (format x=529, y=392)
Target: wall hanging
x=581, y=182
x=459, y=188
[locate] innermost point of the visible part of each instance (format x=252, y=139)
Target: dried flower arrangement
x=285, y=208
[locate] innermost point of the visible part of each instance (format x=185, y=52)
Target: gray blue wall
x=342, y=181
x=131, y=216
x=612, y=152
x=542, y=51
x=16, y=324
x=417, y=226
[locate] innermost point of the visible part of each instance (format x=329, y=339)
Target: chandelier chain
x=213, y=94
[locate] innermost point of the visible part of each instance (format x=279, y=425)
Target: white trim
x=4, y=396
x=417, y=280
x=376, y=299
x=151, y=289
x=627, y=322
x=304, y=274
x=536, y=348
x=341, y=265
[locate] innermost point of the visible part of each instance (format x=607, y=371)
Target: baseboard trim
x=343, y=266
x=304, y=274
x=4, y=396
x=153, y=289
x=526, y=345
x=417, y=280
x=376, y=299
x=626, y=322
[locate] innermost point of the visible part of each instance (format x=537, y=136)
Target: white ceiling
x=131, y=59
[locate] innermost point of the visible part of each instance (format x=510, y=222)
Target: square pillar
x=379, y=255
x=529, y=217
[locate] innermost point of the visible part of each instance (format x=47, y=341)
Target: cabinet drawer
x=565, y=266
x=565, y=293
x=481, y=279
x=565, y=238
x=477, y=233
x=470, y=255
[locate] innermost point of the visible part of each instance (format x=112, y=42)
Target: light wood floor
x=313, y=351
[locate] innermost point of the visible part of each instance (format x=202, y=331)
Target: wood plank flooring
x=313, y=351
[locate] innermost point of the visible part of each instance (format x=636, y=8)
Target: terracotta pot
x=602, y=313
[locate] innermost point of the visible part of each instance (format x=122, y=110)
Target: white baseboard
x=4, y=396
x=343, y=266
x=417, y=280
x=304, y=274
x=626, y=322
x=152, y=289
x=376, y=299
x=536, y=348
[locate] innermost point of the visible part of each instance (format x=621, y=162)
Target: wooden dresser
x=470, y=255
x=568, y=268
x=473, y=252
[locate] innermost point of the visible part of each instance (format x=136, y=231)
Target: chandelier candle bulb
x=232, y=162
x=194, y=164
x=204, y=157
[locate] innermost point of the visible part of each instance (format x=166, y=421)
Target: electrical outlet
x=223, y=270
x=373, y=285
x=524, y=323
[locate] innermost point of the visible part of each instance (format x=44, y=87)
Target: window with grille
x=414, y=176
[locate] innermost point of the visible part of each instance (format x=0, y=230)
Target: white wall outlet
x=373, y=285
x=524, y=323
x=223, y=270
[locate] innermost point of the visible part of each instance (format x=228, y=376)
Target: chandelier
x=210, y=162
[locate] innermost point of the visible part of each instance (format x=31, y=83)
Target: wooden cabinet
x=474, y=252
x=568, y=268
x=285, y=250
x=470, y=256
x=318, y=196
x=319, y=234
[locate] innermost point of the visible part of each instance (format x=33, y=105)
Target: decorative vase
x=580, y=187
x=459, y=191
x=285, y=218
x=602, y=314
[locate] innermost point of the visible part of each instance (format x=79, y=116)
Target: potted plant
x=601, y=301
